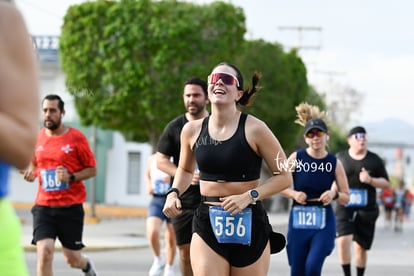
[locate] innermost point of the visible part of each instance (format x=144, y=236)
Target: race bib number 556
x=231, y=228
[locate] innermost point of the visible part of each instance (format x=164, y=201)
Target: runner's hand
x=172, y=207
x=28, y=175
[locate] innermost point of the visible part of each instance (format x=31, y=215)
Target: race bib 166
x=50, y=182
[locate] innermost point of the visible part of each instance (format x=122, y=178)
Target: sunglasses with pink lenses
x=226, y=78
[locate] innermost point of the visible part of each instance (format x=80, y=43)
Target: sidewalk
x=114, y=227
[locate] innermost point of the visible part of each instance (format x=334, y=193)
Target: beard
x=195, y=110
x=51, y=125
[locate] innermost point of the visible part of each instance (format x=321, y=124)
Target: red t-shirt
x=388, y=197
x=70, y=150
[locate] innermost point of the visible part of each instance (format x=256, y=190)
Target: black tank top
x=230, y=160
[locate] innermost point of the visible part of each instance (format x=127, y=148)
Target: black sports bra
x=229, y=160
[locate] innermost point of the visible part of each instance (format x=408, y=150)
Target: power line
x=39, y=8
x=391, y=145
x=300, y=31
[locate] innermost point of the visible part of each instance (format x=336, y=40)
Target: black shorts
x=183, y=224
x=65, y=223
x=359, y=222
x=191, y=198
x=238, y=255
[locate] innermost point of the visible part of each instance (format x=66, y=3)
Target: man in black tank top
x=195, y=100
x=355, y=222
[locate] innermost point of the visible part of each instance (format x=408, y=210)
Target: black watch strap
x=72, y=177
x=173, y=190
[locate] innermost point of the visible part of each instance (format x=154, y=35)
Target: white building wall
x=52, y=81
x=117, y=173
x=21, y=191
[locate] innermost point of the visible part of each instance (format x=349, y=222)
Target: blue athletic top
x=313, y=176
x=311, y=246
x=229, y=160
x=4, y=179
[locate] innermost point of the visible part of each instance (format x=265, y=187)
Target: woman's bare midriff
x=222, y=189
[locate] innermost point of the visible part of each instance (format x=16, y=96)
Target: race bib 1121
x=309, y=217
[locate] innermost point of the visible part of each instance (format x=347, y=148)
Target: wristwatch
x=71, y=177
x=254, y=195
x=173, y=190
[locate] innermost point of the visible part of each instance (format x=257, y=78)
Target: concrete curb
x=100, y=211
x=103, y=232
x=32, y=248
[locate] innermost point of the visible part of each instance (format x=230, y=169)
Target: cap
x=357, y=129
x=316, y=123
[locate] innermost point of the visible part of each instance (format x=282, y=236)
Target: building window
x=134, y=173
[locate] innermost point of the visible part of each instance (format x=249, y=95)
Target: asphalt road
x=392, y=254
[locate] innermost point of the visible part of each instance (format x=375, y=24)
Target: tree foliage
x=125, y=62
x=337, y=141
x=284, y=85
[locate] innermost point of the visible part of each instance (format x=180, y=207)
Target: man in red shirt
x=62, y=160
x=388, y=200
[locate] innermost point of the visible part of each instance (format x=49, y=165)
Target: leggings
x=308, y=248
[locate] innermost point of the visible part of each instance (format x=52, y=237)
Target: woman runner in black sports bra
x=232, y=234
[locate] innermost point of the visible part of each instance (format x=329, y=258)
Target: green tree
x=284, y=85
x=337, y=141
x=125, y=62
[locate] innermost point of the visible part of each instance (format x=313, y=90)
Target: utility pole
x=300, y=32
x=342, y=100
x=93, y=179
x=301, y=44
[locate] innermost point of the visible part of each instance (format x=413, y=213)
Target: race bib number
x=231, y=229
x=50, y=183
x=309, y=217
x=160, y=187
x=388, y=200
x=357, y=198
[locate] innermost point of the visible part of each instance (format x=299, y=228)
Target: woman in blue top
x=311, y=232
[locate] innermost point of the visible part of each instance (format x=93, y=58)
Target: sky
x=364, y=45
